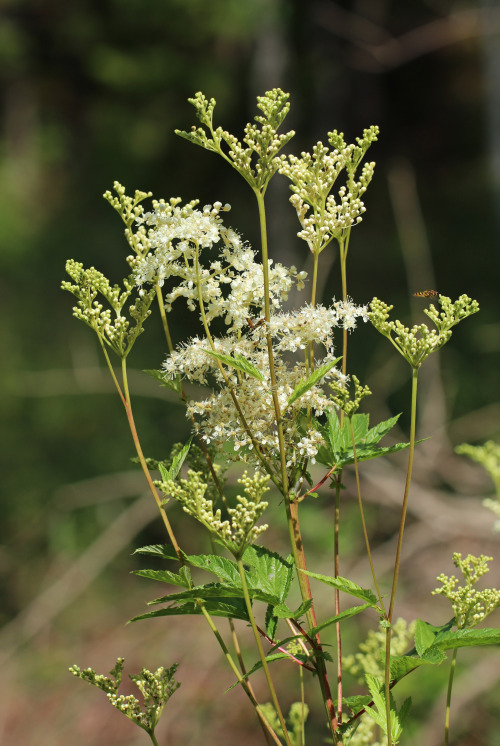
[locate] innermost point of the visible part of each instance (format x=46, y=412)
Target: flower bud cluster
x=156, y=689
x=254, y=158
x=417, y=343
x=323, y=216
x=350, y=405
x=241, y=529
x=451, y=313
x=110, y=324
x=470, y=605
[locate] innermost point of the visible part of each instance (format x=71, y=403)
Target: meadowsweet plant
x=278, y=398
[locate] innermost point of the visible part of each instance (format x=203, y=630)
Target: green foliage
x=378, y=712
x=347, y=586
x=313, y=379
x=337, y=446
x=237, y=362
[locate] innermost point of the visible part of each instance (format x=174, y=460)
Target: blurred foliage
x=91, y=92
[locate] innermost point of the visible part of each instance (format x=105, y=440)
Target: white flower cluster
x=177, y=237
x=231, y=287
x=218, y=418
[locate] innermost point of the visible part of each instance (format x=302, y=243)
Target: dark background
x=91, y=92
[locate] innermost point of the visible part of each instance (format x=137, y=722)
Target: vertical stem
x=363, y=521
x=291, y=507
x=153, y=738
x=398, y=550
x=338, y=636
x=448, y=697
x=267, y=316
x=261, y=652
x=343, y=244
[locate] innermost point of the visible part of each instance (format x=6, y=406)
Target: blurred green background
x=91, y=92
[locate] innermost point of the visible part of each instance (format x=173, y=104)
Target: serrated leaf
x=170, y=474
x=165, y=551
x=238, y=362
x=281, y=611
x=376, y=433
x=225, y=569
x=347, y=586
x=210, y=590
x=338, y=441
x=402, y=665
x=347, y=614
x=313, y=379
x=426, y=633
x=357, y=702
x=164, y=576
x=269, y=572
x=230, y=609
x=462, y=638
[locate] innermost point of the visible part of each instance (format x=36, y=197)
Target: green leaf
x=398, y=719
x=210, y=590
x=165, y=551
x=357, y=702
x=158, y=375
x=401, y=665
x=375, y=434
x=313, y=379
x=347, y=614
x=348, y=586
x=170, y=474
x=426, y=633
x=269, y=572
x=281, y=611
x=238, y=362
x=164, y=576
x=338, y=441
x=462, y=638
x=223, y=568
x=229, y=608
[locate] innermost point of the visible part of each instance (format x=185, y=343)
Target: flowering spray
x=279, y=398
